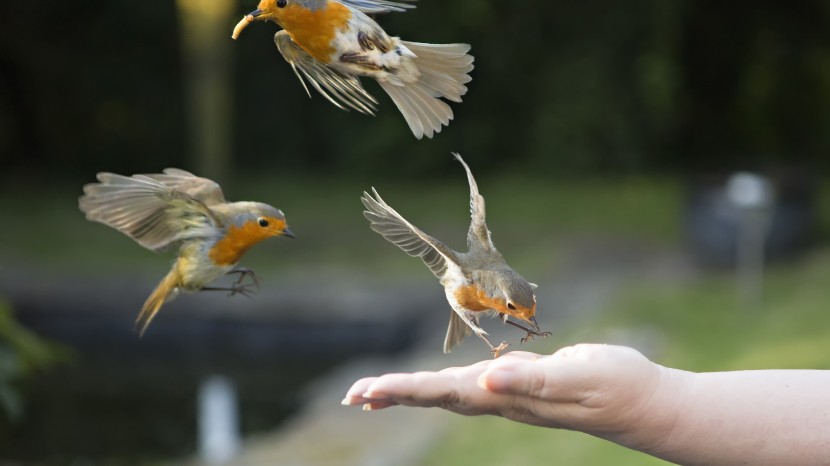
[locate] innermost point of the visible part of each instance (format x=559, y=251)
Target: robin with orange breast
x=331, y=43
x=179, y=209
x=478, y=282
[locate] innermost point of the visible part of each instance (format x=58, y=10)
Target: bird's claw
x=245, y=290
x=244, y=272
x=531, y=335
x=496, y=350
x=238, y=287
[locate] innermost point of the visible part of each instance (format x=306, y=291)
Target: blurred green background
x=589, y=125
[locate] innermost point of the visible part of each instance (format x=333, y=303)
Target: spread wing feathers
x=378, y=6
x=443, y=72
x=392, y=226
x=456, y=331
x=478, y=235
x=202, y=189
x=342, y=90
x=147, y=210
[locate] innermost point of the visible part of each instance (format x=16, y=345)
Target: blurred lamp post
x=206, y=42
x=218, y=421
x=752, y=198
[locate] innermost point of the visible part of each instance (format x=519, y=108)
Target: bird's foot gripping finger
x=531, y=334
x=497, y=350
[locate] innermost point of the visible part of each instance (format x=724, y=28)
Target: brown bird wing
x=342, y=90
x=378, y=6
x=149, y=211
x=478, y=235
x=391, y=225
x=202, y=189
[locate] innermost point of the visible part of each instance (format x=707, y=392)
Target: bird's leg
x=494, y=350
x=245, y=289
x=530, y=332
x=245, y=272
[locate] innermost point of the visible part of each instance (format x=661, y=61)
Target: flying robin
x=478, y=282
x=331, y=43
x=182, y=210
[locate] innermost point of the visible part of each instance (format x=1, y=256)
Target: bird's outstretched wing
x=378, y=6
x=392, y=226
x=342, y=90
x=202, y=189
x=479, y=235
x=147, y=210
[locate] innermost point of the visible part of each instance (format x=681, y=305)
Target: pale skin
x=762, y=417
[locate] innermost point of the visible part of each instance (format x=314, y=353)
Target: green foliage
x=704, y=329
x=22, y=353
x=526, y=214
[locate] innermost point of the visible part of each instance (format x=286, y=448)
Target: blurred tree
x=207, y=81
x=756, y=84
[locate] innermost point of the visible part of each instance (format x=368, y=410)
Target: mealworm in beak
x=242, y=24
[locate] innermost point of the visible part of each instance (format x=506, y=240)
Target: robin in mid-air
x=182, y=210
x=333, y=42
x=478, y=282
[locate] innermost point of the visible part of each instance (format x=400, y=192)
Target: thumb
x=547, y=378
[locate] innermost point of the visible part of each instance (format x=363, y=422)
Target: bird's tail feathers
x=445, y=68
x=457, y=331
x=164, y=292
x=444, y=71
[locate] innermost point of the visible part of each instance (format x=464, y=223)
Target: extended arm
x=612, y=392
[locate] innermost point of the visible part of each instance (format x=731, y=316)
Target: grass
x=695, y=326
x=325, y=213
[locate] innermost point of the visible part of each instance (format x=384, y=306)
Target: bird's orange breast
x=230, y=249
x=314, y=30
x=477, y=300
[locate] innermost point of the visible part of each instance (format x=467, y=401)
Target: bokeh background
x=603, y=135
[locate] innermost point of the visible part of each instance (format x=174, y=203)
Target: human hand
x=599, y=389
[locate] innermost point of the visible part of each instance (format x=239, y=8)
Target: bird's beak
x=244, y=22
x=287, y=232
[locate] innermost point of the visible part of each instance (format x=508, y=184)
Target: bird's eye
x=511, y=306
x=263, y=222
x=282, y=3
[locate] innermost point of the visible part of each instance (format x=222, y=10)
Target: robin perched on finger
x=179, y=209
x=331, y=43
x=477, y=282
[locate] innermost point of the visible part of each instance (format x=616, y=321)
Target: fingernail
x=367, y=406
x=368, y=395
x=346, y=401
x=497, y=380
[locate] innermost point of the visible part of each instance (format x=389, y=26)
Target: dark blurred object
x=711, y=221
